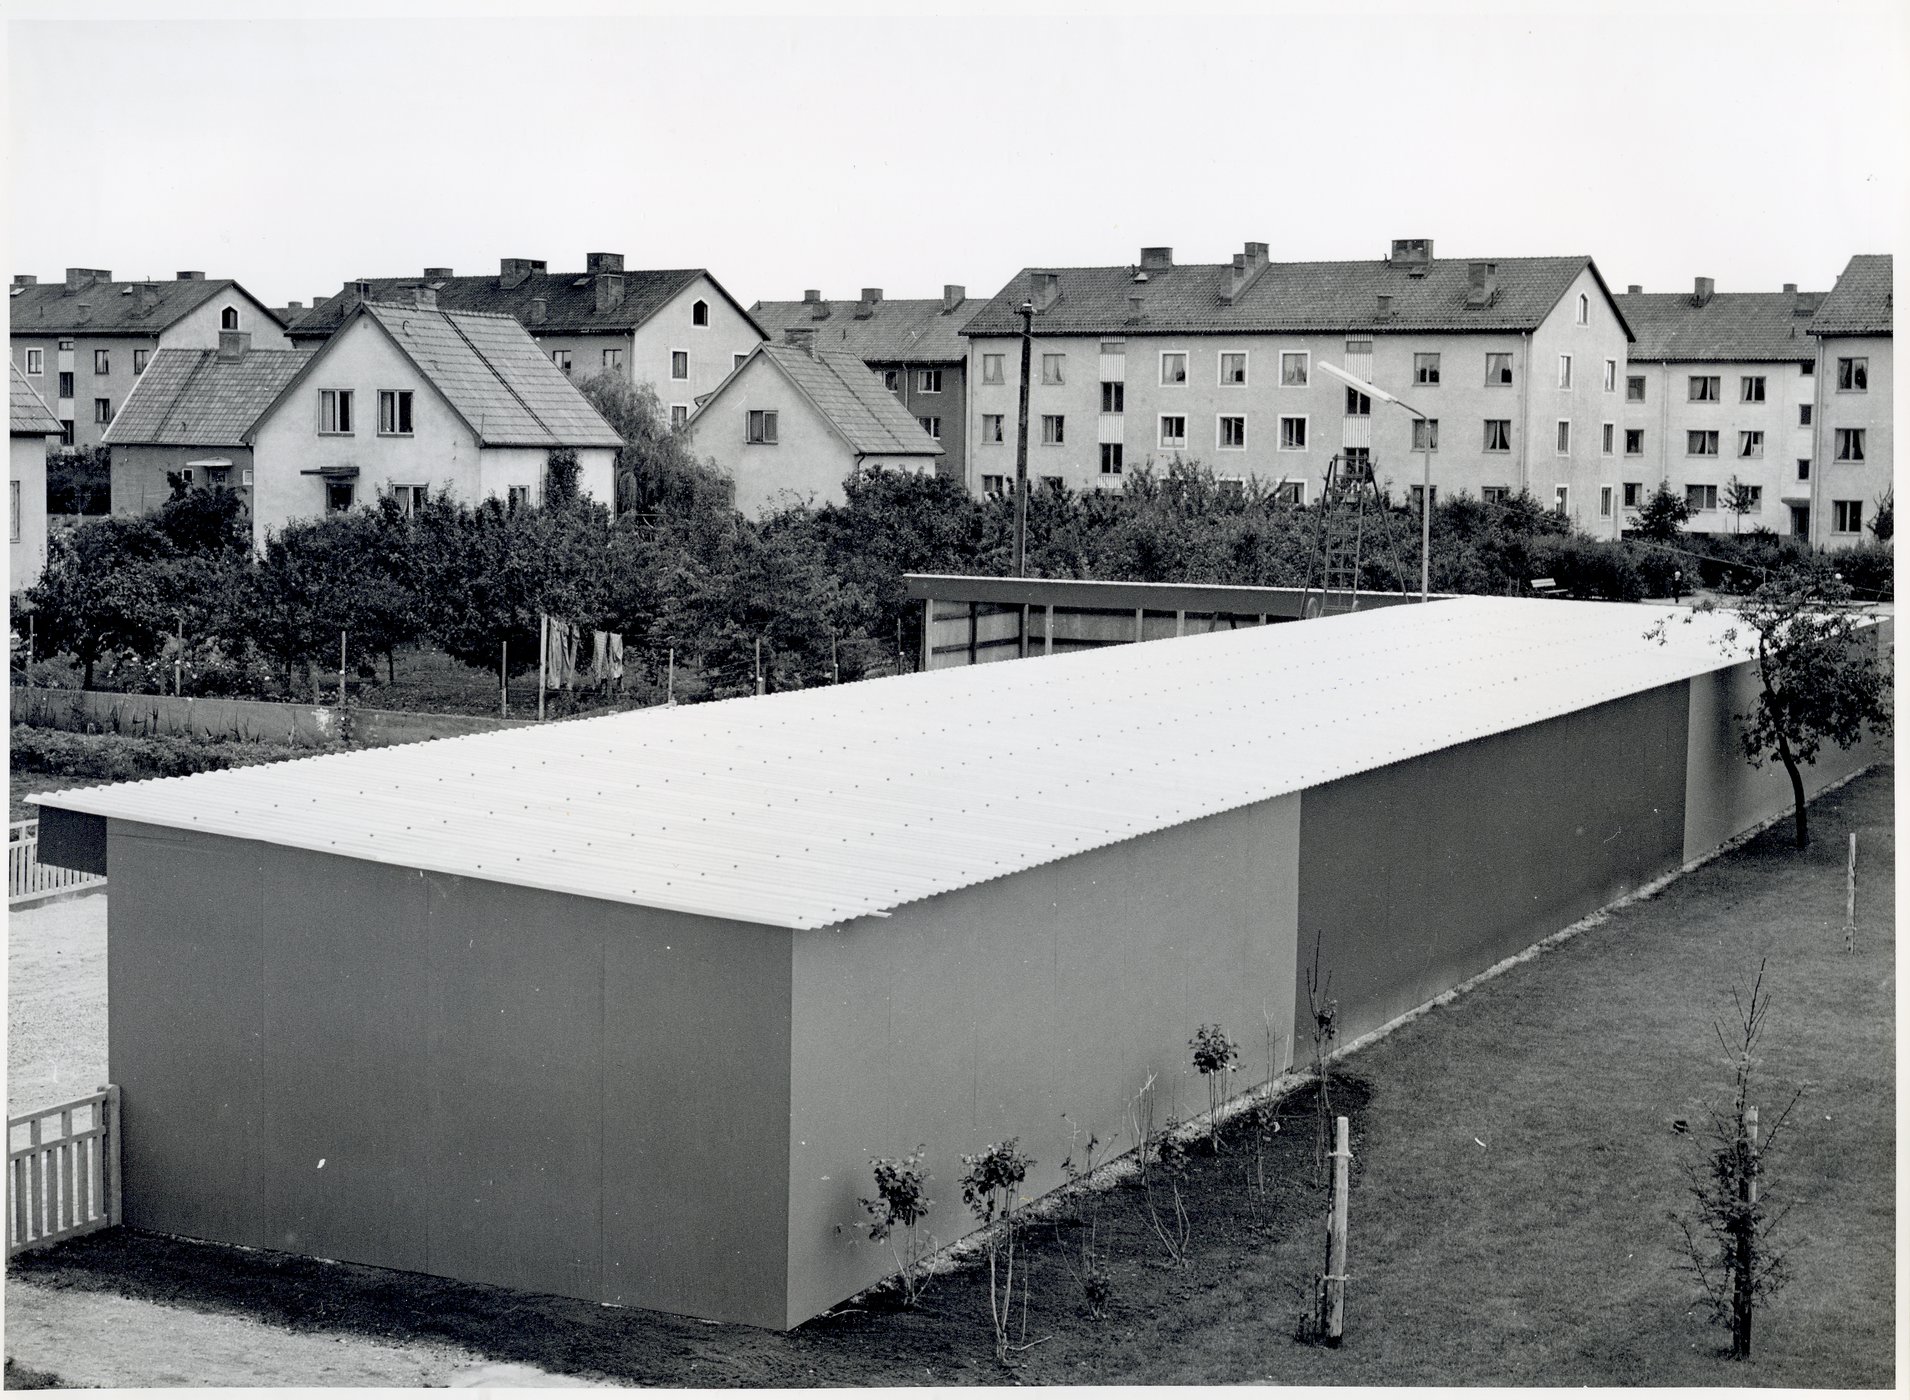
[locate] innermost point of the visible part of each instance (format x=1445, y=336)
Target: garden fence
x=27, y=879
x=63, y=1171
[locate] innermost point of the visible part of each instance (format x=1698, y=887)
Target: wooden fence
x=28, y=879
x=64, y=1183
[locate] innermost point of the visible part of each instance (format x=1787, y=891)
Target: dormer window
x=700, y=314
x=229, y=319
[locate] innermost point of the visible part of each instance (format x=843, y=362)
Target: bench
x=1546, y=588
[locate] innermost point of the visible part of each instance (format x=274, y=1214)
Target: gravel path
x=56, y=1002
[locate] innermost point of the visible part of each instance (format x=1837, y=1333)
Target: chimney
x=24, y=279
x=952, y=297
x=1045, y=288
x=1482, y=283
x=603, y=262
x=188, y=277
x=1246, y=270
x=1156, y=259
x=540, y=308
x=148, y=297
x=425, y=298
x=514, y=272
x=294, y=306
x=1385, y=307
x=871, y=298
x=1702, y=290
x=234, y=345
x=1413, y=254
x=1805, y=303
x=78, y=277
x=1634, y=289
x=802, y=337
x=609, y=287
x=1791, y=288
x=812, y=296
x=437, y=274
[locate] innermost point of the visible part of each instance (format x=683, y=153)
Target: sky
x=294, y=148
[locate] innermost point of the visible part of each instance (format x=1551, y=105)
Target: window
x=1803, y=415
x=1231, y=488
x=1415, y=493
x=1173, y=367
x=1611, y=376
x=66, y=384
x=1846, y=517
x=334, y=410
x=1753, y=498
x=1233, y=431
x=1358, y=405
x=1634, y=388
x=679, y=362
x=1750, y=444
x=1634, y=494
x=1701, y=443
x=1562, y=441
x=1751, y=389
x=992, y=427
x=13, y=511
x=394, y=411
x=1233, y=367
x=1850, y=444
x=66, y=345
x=1293, y=369
x=736, y=360
x=699, y=313
x=1113, y=396
x=36, y=360
x=1425, y=434
x=1051, y=367
x=1054, y=429
x=679, y=415
x=761, y=426
x=1803, y=469
x=1498, y=435
x=1807, y=367
x=1565, y=371
x=410, y=499
x=245, y=476
x=1426, y=368
x=1290, y=493
x=994, y=486
x=1853, y=375
x=1498, y=369
x=1110, y=459
x=1608, y=438
x=229, y=319
x=1605, y=502
x=66, y=432
x=891, y=379
x=931, y=426
x=517, y=497
x=1634, y=442
x=1701, y=497
x=561, y=358
x=929, y=381
x=1584, y=309
x=338, y=494
x=1173, y=430
x=1495, y=495
x=139, y=361
x=102, y=362
x=1293, y=434
x=1359, y=347
x=1358, y=463
x=1562, y=499
x=102, y=410
x=1054, y=484
x=1705, y=388
x=992, y=369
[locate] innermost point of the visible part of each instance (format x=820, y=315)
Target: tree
x=656, y=473
x=79, y=481
x=1883, y=524
x=1740, y=498
x=560, y=476
x=108, y=585
x=1661, y=519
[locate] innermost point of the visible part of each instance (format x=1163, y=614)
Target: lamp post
x=1425, y=480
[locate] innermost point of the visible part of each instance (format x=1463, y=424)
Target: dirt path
x=56, y=1002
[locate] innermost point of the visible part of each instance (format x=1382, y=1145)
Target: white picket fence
x=63, y=1171
x=27, y=879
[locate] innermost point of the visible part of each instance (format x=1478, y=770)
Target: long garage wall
x=368, y=1063
x=990, y=1012
x=1421, y=874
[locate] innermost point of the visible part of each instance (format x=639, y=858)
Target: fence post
x=110, y=1154
x=1333, y=1283
x=1850, y=898
x=1743, y=1284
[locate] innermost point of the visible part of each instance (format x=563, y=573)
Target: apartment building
x=1516, y=364
x=1856, y=442
x=33, y=431
x=678, y=331
x=83, y=343
x=1721, y=403
x=914, y=346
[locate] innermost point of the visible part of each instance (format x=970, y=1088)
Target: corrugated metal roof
x=31, y=417
x=806, y=809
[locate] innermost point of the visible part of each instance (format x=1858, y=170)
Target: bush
x=1589, y=568
x=122, y=757
x=1869, y=569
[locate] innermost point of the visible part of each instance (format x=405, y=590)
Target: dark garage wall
x=1421, y=874
x=502, y=1085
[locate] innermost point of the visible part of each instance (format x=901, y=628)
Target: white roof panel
x=805, y=809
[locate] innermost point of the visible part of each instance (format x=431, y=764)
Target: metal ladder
x=1348, y=495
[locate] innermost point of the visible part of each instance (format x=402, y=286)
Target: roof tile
x=113, y=308
x=851, y=397
x=192, y=398
x=1745, y=326
x=31, y=417
x=918, y=332
x=1860, y=303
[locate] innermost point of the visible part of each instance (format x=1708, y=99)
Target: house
x=34, y=432
x=189, y=419
x=1721, y=388
x=914, y=346
x=621, y=1009
x=1514, y=361
x=678, y=331
x=1856, y=439
x=793, y=421
x=84, y=343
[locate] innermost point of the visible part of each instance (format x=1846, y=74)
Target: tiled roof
x=113, y=308
x=918, y=332
x=31, y=417
x=1308, y=296
x=495, y=376
x=1730, y=326
x=570, y=300
x=192, y=398
x=1860, y=302
x=848, y=394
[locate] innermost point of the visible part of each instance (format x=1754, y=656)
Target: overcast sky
x=1753, y=144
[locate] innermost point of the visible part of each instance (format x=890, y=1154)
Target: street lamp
x=1425, y=486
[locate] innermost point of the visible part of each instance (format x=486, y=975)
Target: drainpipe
x=1819, y=437
x=1525, y=418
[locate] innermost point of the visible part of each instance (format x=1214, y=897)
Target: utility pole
x=1021, y=443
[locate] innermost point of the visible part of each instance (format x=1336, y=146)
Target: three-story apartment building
x=1856, y=442
x=1721, y=404
x=1516, y=364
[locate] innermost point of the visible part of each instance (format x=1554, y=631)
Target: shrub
x=122, y=757
x=991, y=1188
x=1869, y=570
x=1215, y=1057
x=1589, y=568
x=897, y=1208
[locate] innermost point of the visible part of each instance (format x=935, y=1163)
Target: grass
x=1515, y=1169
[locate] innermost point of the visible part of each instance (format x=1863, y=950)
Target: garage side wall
x=991, y=1012
x=1421, y=874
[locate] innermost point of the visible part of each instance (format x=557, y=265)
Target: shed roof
x=192, y=398
x=809, y=808
x=31, y=417
x=1746, y=326
x=1860, y=303
x=893, y=332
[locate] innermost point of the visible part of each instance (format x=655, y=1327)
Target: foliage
x=1086, y=1263
x=122, y=757
x=560, y=476
x=1883, y=524
x=1662, y=517
x=109, y=584
x=1868, y=569
x=898, y=1209
x=1740, y=498
x=1588, y=568
x=1173, y=1227
x=1325, y=1012
x=772, y=587
x=991, y=1188
x=1215, y=1059
x=79, y=481
x=656, y=473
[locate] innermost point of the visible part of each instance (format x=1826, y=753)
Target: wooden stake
x=543, y=658
x=1743, y=1293
x=669, y=694
x=1333, y=1283
x=759, y=665
x=341, y=667
x=504, y=680
x=1850, y=898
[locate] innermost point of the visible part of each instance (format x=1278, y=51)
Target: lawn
x=1515, y=1170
